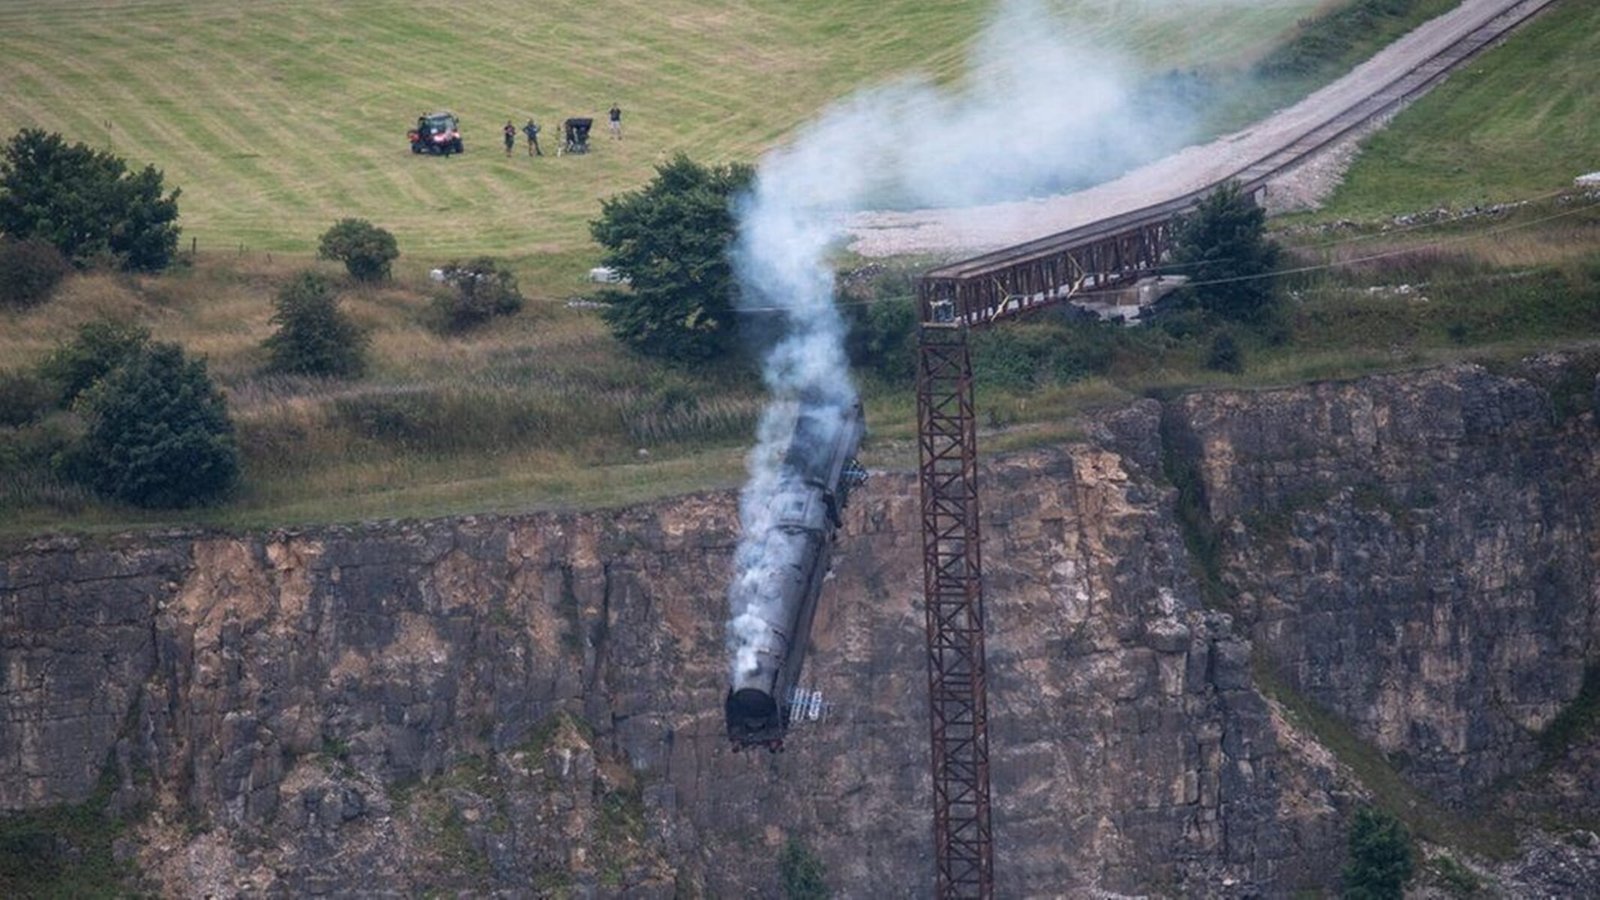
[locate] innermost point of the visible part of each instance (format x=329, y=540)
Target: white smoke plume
x=1040, y=112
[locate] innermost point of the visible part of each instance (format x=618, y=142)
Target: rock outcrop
x=531, y=706
x=1414, y=553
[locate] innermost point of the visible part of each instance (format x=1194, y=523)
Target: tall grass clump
x=678, y=419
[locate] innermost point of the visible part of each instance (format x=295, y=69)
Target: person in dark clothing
x=616, y=122
x=511, y=136
x=532, y=131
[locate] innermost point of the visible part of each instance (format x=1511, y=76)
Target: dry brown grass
x=439, y=416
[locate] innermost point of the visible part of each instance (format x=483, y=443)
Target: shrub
x=29, y=271
x=85, y=202
x=480, y=290
x=98, y=347
x=1325, y=41
x=1380, y=857
x=1023, y=356
x=314, y=337
x=158, y=433
x=1225, y=355
x=365, y=249
x=26, y=455
x=1222, y=248
x=801, y=873
x=24, y=397
x=883, y=338
x=1456, y=879
x=670, y=240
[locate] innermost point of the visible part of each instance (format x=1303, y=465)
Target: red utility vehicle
x=437, y=133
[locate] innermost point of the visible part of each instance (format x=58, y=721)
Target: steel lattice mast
x=953, y=585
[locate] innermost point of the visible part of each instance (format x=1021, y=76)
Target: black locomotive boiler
x=777, y=588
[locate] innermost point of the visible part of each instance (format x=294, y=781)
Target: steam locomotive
x=778, y=590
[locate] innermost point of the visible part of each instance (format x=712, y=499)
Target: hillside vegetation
x=543, y=408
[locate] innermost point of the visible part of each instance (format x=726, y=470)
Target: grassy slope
x=313, y=454
x=276, y=118
x=1519, y=122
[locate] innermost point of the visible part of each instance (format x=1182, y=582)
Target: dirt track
x=958, y=232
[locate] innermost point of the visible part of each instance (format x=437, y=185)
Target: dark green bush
x=1225, y=354
x=96, y=349
x=314, y=337
x=365, y=249
x=27, y=457
x=455, y=420
x=24, y=397
x=29, y=272
x=158, y=433
x=480, y=290
x=1455, y=878
x=1576, y=720
x=1325, y=42
x=801, y=873
x=1380, y=857
x=1024, y=356
x=883, y=338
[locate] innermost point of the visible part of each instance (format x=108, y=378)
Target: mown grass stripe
x=215, y=95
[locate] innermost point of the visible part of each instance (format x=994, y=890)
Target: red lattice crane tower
x=952, y=302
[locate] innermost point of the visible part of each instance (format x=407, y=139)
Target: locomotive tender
x=778, y=592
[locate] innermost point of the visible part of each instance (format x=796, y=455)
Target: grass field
x=1519, y=122
x=278, y=117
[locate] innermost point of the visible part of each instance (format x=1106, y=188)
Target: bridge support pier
x=953, y=588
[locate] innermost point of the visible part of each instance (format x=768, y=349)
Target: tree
x=314, y=337
x=1222, y=248
x=96, y=349
x=1380, y=857
x=670, y=241
x=482, y=290
x=159, y=433
x=801, y=873
x=365, y=249
x=86, y=203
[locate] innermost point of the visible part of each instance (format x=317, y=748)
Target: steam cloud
x=1042, y=113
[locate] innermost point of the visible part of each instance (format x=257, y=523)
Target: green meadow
x=278, y=117
x=1516, y=123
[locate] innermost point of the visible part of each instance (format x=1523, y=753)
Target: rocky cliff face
x=1416, y=554
x=531, y=706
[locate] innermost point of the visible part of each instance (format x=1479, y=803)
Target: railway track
x=1116, y=249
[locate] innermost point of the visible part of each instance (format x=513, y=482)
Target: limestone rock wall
x=531, y=706
x=1416, y=553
